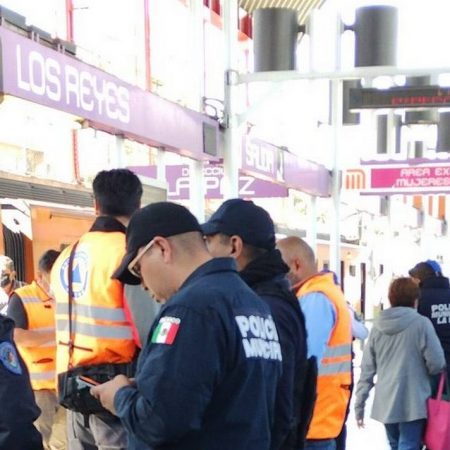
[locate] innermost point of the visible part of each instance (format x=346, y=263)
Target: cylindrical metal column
x=275, y=33
x=428, y=116
x=376, y=36
x=232, y=142
x=443, y=140
x=382, y=126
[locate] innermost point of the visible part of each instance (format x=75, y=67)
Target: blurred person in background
x=18, y=409
x=32, y=308
x=434, y=300
x=402, y=351
x=8, y=281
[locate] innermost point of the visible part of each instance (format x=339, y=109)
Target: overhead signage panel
x=42, y=75
x=389, y=179
x=413, y=97
x=179, y=182
x=269, y=162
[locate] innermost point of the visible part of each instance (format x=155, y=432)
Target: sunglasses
x=136, y=271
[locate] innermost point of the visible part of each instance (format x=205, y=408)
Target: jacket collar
x=108, y=224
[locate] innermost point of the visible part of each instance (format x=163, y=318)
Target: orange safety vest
x=40, y=360
x=101, y=334
x=334, y=378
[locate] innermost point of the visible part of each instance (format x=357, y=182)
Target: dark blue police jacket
x=266, y=275
x=207, y=378
x=18, y=409
x=434, y=303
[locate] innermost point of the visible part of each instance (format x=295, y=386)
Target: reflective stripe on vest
x=92, y=312
x=96, y=331
x=327, y=367
x=41, y=376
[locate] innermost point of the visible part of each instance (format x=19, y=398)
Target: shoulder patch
x=166, y=330
x=9, y=358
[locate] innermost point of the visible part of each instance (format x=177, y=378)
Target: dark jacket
x=266, y=275
x=18, y=409
x=434, y=303
x=207, y=378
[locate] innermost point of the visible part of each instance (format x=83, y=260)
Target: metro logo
x=355, y=179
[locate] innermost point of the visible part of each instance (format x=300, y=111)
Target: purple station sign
x=45, y=76
x=269, y=162
x=179, y=185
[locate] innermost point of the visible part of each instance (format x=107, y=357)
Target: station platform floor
x=373, y=436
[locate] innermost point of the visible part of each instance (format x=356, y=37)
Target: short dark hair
x=118, y=192
x=422, y=271
x=403, y=292
x=47, y=260
x=250, y=251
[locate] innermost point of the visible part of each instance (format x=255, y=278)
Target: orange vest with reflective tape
x=40, y=360
x=334, y=379
x=101, y=334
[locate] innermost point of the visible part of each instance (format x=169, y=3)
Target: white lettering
x=124, y=103
x=53, y=71
x=260, y=158
x=72, y=86
x=100, y=94
x=245, y=189
x=211, y=183
x=181, y=184
x=37, y=73
x=20, y=80
x=243, y=324
x=110, y=90
x=86, y=100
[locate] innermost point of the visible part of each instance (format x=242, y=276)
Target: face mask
x=5, y=280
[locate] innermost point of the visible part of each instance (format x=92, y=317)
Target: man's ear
x=236, y=246
x=97, y=207
x=165, y=247
x=296, y=265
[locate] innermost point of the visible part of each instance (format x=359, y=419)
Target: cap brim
x=209, y=228
x=123, y=274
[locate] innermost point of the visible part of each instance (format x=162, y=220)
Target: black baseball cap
x=243, y=218
x=157, y=219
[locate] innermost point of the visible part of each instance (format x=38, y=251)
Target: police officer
x=32, y=308
x=246, y=232
x=95, y=335
x=434, y=300
x=18, y=409
x=207, y=377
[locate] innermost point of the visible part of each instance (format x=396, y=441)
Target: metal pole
x=196, y=183
x=336, y=123
x=311, y=232
x=232, y=144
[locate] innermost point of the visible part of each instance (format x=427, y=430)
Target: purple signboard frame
x=45, y=76
x=269, y=162
x=306, y=176
x=178, y=180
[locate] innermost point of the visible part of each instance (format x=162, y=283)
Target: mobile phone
x=86, y=382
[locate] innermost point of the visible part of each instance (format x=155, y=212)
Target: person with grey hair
x=8, y=281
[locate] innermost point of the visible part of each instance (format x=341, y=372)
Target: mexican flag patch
x=166, y=330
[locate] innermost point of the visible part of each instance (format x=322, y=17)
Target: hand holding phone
x=85, y=382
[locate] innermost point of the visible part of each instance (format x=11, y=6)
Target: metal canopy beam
x=356, y=73
x=303, y=7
